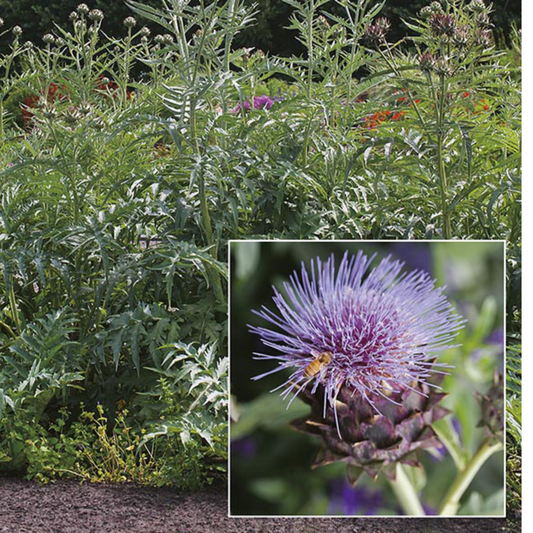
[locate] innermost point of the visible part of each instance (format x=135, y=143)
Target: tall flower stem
x=441, y=164
x=450, y=504
x=406, y=493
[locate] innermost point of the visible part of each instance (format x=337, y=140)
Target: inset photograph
x=366, y=378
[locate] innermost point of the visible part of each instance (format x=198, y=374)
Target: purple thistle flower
x=376, y=331
x=259, y=102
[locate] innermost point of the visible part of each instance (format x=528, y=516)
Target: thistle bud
x=442, y=67
x=71, y=116
x=322, y=22
x=442, y=25
x=17, y=31
x=426, y=12
x=491, y=404
x=49, y=113
x=49, y=39
x=130, y=22
x=378, y=30
x=476, y=6
x=461, y=37
x=426, y=62
x=436, y=7
x=97, y=15
x=483, y=38
x=83, y=9
x=483, y=20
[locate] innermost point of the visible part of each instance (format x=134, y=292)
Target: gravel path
x=68, y=507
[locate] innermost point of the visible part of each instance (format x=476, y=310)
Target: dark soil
x=68, y=507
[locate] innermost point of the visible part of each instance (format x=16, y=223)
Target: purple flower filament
x=381, y=328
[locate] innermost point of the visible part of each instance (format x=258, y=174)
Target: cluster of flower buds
x=433, y=9
x=164, y=40
x=442, y=25
x=378, y=30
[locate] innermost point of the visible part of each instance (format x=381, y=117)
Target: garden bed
x=70, y=507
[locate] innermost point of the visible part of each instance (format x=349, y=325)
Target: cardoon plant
x=363, y=345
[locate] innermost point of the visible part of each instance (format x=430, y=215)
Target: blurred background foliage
x=270, y=462
x=270, y=32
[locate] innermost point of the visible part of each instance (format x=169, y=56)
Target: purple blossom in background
x=415, y=255
x=497, y=337
x=259, y=102
x=245, y=447
x=381, y=328
x=345, y=500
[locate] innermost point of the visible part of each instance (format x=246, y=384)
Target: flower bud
x=426, y=62
x=49, y=39
x=378, y=30
x=168, y=39
x=476, y=6
x=97, y=15
x=159, y=39
x=462, y=36
x=145, y=32
x=442, y=25
x=483, y=38
x=130, y=22
x=1, y=22
x=436, y=7
x=73, y=16
x=426, y=12
x=323, y=23
x=483, y=20
x=442, y=67
x=83, y=9
x=17, y=31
